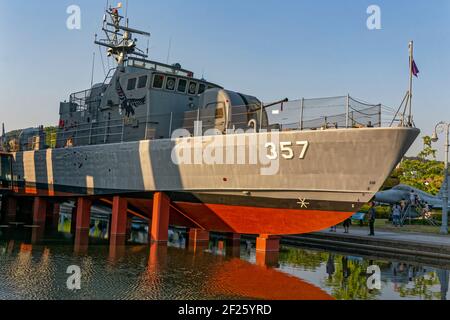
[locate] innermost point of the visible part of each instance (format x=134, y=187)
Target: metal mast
x=119, y=38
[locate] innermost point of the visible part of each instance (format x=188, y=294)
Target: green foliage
x=383, y=212
x=428, y=150
x=421, y=172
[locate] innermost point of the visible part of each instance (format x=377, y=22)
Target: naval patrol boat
x=228, y=162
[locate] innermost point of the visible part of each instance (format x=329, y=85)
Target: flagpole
x=411, y=61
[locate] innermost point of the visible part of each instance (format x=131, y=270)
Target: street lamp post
x=443, y=126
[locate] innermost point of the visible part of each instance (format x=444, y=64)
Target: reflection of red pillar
x=198, y=240
x=160, y=218
x=81, y=240
x=11, y=209
x=83, y=214
x=39, y=210
x=267, y=250
x=157, y=258
x=119, y=221
x=37, y=233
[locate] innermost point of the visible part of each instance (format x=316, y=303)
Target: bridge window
x=182, y=84
x=170, y=83
x=142, y=83
x=131, y=84
x=201, y=88
x=192, y=87
x=158, y=81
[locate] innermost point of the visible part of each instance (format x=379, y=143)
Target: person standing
x=347, y=224
x=396, y=215
x=372, y=218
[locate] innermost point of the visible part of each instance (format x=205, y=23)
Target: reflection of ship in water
x=205, y=275
x=248, y=280
x=173, y=272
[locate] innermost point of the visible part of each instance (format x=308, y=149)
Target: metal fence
x=324, y=113
x=304, y=114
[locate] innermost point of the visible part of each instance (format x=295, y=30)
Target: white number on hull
x=286, y=150
x=305, y=145
x=272, y=148
x=286, y=147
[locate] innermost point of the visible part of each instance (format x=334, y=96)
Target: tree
x=428, y=150
x=421, y=172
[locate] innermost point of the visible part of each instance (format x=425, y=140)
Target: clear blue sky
x=268, y=48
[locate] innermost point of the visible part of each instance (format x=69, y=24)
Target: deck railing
x=304, y=114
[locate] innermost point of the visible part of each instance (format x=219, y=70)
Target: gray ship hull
x=318, y=184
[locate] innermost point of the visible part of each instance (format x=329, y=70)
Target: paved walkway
x=433, y=239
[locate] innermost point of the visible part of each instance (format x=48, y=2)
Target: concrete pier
x=393, y=244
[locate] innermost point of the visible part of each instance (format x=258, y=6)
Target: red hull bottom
x=247, y=220
x=254, y=220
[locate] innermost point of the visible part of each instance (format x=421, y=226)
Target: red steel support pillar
x=119, y=221
x=39, y=211
x=55, y=214
x=11, y=209
x=83, y=221
x=198, y=235
x=83, y=214
x=160, y=218
x=267, y=250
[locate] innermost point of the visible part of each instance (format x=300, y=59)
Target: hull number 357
x=287, y=150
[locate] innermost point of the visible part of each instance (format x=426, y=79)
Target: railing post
x=123, y=130
x=170, y=124
x=261, y=117
x=347, y=112
x=302, y=106
x=379, y=116
x=106, y=131
x=90, y=133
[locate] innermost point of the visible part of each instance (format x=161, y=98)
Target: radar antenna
x=119, y=38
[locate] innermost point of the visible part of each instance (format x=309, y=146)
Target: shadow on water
x=31, y=269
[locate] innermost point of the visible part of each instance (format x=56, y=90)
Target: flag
x=415, y=71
